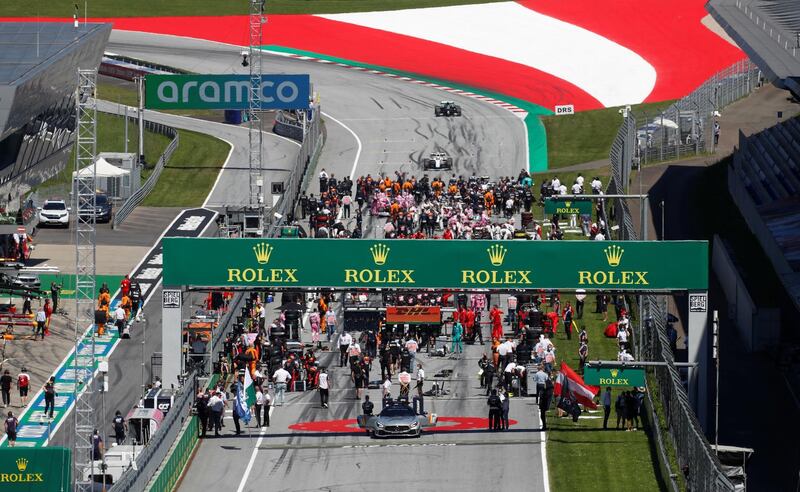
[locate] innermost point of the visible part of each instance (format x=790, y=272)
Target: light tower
x=256, y=23
x=84, y=198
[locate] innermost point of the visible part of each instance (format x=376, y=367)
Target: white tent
x=111, y=179
x=104, y=170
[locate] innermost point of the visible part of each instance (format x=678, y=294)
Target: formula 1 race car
x=397, y=419
x=447, y=108
x=437, y=160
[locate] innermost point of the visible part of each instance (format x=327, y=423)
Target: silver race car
x=396, y=420
x=437, y=160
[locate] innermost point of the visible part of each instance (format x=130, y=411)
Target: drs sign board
x=225, y=91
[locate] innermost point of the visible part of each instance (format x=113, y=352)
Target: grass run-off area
x=583, y=456
x=153, y=8
x=110, y=138
x=586, y=136
x=189, y=175
x=185, y=181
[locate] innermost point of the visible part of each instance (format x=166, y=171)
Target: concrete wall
x=758, y=327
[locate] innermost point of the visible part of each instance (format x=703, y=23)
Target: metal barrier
x=700, y=466
x=306, y=158
x=135, y=199
x=152, y=456
x=687, y=127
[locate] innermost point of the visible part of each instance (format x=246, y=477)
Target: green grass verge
x=587, y=136
x=110, y=138
x=152, y=8
x=584, y=456
x=190, y=173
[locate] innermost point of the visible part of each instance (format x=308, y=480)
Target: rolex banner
x=35, y=469
x=562, y=207
x=411, y=264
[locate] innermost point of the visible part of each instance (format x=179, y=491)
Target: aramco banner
x=35, y=469
x=225, y=91
x=412, y=264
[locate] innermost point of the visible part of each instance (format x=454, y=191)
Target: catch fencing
x=686, y=128
x=699, y=464
x=136, y=198
x=136, y=478
x=305, y=161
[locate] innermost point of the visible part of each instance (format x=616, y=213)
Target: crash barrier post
x=699, y=464
x=149, y=462
x=686, y=128
x=135, y=199
x=306, y=160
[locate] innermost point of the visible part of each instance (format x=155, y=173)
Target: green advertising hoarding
x=601, y=376
x=412, y=264
x=35, y=469
x=225, y=91
x=560, y=207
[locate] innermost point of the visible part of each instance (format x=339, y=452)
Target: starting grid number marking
x=32, y=431
x=149, y=274
x=191, y=223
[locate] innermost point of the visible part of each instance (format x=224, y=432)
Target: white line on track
x=219, y=174
x=358, y=153
x=543, y=453
x=253, y=456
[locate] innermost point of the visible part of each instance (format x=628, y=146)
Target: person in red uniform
x=125, y=285
x=469, y=321
x=497, y=322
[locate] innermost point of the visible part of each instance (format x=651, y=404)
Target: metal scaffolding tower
x=84, y=197
x=257, y=21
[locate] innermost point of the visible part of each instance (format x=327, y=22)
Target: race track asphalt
x=374, y=125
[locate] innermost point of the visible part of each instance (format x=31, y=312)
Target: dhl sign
x=414, y=314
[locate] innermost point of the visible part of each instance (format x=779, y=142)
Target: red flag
x=577, y=389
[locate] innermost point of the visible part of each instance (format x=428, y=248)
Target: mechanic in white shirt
x=281, y=378
x=345, y=339
x=324, y=387
x=508, y=374
x=419, y=399
x=386, y=389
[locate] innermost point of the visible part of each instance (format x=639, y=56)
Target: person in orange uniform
x=488, y=201
x=127, y=305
